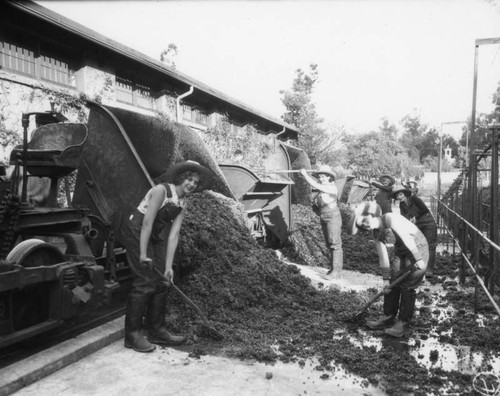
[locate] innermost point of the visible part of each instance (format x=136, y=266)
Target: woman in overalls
x=329, y=214
x=411, y=252
x=152, y=235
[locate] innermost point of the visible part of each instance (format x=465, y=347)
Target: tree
x=390, y=131
x=429, y=145
x=168, y=55
x=319, y=142
x=373, y=154
x=413, y=136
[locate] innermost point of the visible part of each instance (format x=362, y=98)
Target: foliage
x=8, y=138
x=322, y=144
x=239, y=148
x=418, y=139
x=373, y=154
x=168, y=55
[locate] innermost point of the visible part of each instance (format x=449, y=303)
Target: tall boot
x=429, y=272
x=406, y=310
x=330, y=262
x=336, y=262
x=136, y=307
x=391, y=306
x=155, y=322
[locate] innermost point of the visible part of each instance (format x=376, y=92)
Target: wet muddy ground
x=267, y=309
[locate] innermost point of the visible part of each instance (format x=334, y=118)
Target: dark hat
x=392, y=180
x=325, y=170
x=206, y=175
x=400, y=188
x=363, y=209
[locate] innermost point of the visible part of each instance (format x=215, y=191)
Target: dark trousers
x=145, y=283
x=401, y=298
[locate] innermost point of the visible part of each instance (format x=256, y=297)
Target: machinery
x=47, y=269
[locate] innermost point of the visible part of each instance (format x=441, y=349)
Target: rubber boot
x=429, y=272
x=406, y=310
x=136, y=306
x=382, y=322
x=330, y=264
x=391, y=307
x=155, y=321
x=400, y=329
x=336, y=262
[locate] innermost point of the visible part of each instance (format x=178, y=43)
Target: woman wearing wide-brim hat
x=411, y=253
x=151, y=238
x=415, y=210
x=383, y=196
x=412, y=185
x=325, y=201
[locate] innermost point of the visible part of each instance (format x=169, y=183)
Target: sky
x=376, y=58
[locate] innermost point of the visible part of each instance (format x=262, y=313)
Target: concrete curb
x=49, y=361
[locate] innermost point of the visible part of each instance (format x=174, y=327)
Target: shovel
x=405, y=274
x=207, y=326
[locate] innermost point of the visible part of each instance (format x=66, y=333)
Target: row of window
x=34, y=63
x=26, y=61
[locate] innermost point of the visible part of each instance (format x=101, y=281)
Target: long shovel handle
x=184, y=297
x=396, y=282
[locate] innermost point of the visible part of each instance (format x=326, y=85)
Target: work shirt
x=409, y=238
x=414, y=208
x=327, y=201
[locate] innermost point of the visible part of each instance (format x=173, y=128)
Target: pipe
x=178, y=102
x=280, y=133
x=277, y=135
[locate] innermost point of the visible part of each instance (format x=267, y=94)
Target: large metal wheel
x=35, y=253
x=31, y=304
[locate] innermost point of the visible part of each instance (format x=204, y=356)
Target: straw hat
x=391, y=179
x=206, y=175
x=363, y=209
x=325, y=170
x=400, y=188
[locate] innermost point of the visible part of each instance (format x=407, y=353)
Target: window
x=124, y=90
x=194, y=114
x=17, y=58
x=55, y=70
x=144, y=96
x=131, y=92
x=20, y=56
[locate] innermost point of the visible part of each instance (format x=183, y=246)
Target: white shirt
x=143, y=206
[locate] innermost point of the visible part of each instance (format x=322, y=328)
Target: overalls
x=143, y=281
x=331, y=225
